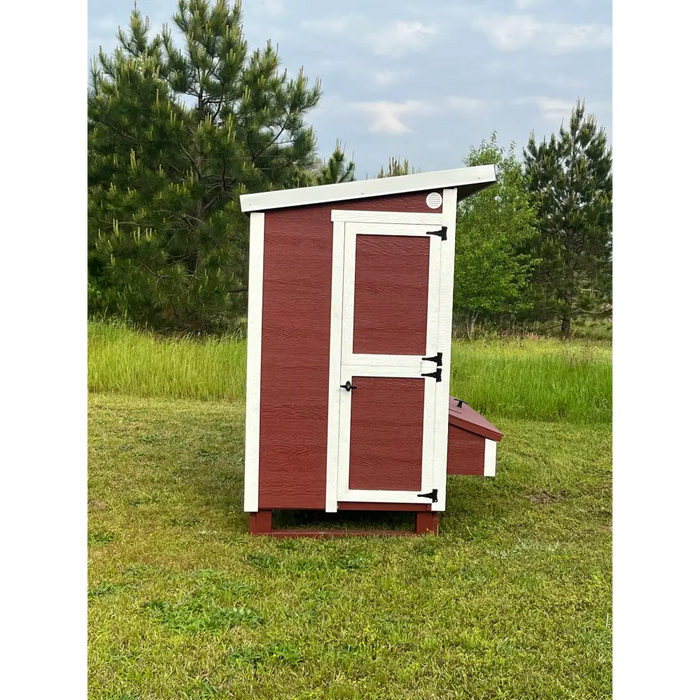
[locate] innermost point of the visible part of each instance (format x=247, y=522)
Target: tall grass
x=537, y=379
x=124, y=361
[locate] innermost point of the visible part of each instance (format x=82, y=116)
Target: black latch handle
x=347, y=386
x=432, y=495
x=436, y=375
x=436, y=358
x=442, y=233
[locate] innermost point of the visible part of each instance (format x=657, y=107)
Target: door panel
x=386, y=429
x=391, y=294
x=389, y=324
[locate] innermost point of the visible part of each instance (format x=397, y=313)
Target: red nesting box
x=349, y=343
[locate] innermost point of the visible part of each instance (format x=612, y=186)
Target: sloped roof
x=466, y=180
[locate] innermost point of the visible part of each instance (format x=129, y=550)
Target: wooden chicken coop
x=349, y=333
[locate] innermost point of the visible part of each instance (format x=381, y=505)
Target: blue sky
x=424, y=80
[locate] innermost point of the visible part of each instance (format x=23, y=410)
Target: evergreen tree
x=337, y=169
x=396, y=167
x=174, y=137
x=492, y=272
x=571, y=180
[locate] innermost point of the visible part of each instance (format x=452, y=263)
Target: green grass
x=536, y=379
x=512, y=600
x=121, y=360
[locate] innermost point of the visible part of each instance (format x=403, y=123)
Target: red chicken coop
x=349, y=333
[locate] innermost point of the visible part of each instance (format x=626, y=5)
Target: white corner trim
x=436, y=180
x=254, y=347
x=490, y=457
x=385, y=217
x=334, y=367
x=442, y=398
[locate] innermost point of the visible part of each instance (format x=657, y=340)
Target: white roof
x=466, y=180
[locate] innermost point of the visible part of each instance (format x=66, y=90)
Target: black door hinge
x=442, y=233
x=347, y=386
x=436, y=358
x=432, y=495
x=437, y=374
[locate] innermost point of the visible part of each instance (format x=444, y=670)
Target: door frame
x=443, y=314
x=386, y=365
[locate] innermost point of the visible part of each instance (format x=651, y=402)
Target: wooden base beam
x=260, y=523
x=427, y=522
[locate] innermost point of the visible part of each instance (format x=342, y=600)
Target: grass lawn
x=512, y=600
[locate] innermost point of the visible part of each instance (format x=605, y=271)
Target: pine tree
x=337, y=169
x=174, y=137
x=571, y=180
x=494, y=227
x=396, y=167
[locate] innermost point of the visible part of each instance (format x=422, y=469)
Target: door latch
x=442, y=233
x=347, y=386
x=432, y=495
x=436, y=375
x=436, y=358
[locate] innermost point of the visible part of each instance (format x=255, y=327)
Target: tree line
x=177, y=132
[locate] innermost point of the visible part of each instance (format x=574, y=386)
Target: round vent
x=434, y=200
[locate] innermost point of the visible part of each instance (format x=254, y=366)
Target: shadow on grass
x=344, y=520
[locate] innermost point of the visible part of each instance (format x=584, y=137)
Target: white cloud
x=395, y=39
x=526, y=4
x=519, y=31
x=386, y=117
x=389, y=117
x=555, y=110
x=508, y=32
x=401, y=38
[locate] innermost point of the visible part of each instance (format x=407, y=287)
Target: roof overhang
x=467, y=181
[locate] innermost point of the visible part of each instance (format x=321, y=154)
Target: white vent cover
x=434, y=200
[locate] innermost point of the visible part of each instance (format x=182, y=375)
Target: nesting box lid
x=462, y=415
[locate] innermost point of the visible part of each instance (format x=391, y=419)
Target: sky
x=423, y=80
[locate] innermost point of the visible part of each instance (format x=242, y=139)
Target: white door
x=389, y=393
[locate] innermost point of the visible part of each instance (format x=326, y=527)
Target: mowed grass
x=535, y=379
x=512, y=600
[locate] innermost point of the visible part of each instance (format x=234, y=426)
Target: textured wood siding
x=386, y=434
x=465, y=452
x=295, y=348
x=391, y=295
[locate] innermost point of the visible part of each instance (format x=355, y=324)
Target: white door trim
x=251, y=476
x=334, y=366
x=442, y=391
x=344, y=363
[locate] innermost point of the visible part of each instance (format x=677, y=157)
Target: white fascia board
x=360, y=189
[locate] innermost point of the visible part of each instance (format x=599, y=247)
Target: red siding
x=405, y=507
x=465, y=452
x=295, y=348
x=386, y=433
x=391, y=295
